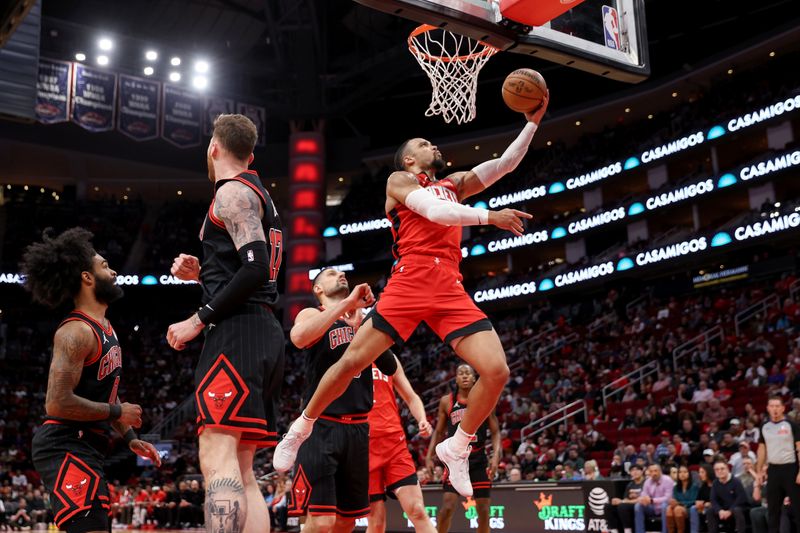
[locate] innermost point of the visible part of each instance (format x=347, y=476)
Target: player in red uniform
x=391, y=468
x=427, y=215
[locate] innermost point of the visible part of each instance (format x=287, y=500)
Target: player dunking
x=452, y=407
x=81, y=402
x=427, y=216
x=391, y=468
x=331, y=480
x=239, y=374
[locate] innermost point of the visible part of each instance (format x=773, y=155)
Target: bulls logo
x=77, y=488
x=301, y=492
x=219, y=398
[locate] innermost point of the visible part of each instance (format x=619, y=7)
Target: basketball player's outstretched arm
x=438, y=433
x=311, y=323
x=485, y=174
x=73, y=344
x=239, y=207
x=412, y=399
x=404, y=188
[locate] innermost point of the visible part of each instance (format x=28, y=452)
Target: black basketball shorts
x=70, y=461
x=239, y=375
x=331, y=476
x=478, y=475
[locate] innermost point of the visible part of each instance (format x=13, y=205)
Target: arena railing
x=693, y=345
x=762, y=306
x=554, y=418
x=631, y=378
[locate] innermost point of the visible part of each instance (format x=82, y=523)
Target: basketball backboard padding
x=535, y=12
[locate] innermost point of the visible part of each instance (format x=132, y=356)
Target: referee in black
x=779, y=446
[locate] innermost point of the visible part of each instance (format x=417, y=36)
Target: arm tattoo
x=239, y=207
x=73, y=343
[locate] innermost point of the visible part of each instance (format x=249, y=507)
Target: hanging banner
x=181, y=117
x=139, y=101
x=214, y=108
x=53, y=90
x=94, y=93
x=259, y=117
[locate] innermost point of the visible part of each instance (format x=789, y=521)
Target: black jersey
x=357, y=399
x=221, y=259
x=454, y=415
x=101, y=373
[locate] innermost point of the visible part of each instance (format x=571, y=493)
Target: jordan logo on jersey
x=111, y=361
x=340, y=336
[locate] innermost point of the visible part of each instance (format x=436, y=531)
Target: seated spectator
x=728, y=444
x=703, y=393
x=751, y=433
x=723, y=392
x=683, y=497
x=20, y=518
x=728, y=500
x=514, y=475
x=689, y=431
x=656, y=492
x=714, y=413
x=705, y=477
x=737, y=459
x=590, y=471
x=758, y=514
x=619, y=513
x=662, y=450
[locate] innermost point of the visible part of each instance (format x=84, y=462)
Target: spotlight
x=105, y=44
x=200, y=82
x=341, y=179
x=175, y=61
x=174, y=76
x=148, y=71
x=102, y=60
x=772, y=54
x=477, y=147
x=201, y=67
x=577, y=122
x=80, y=56
x=151, y=55
x=549, y=143
x=180, y=193
x=627, y=109
x=649, y=116
x=674, y=95
x=730, y=71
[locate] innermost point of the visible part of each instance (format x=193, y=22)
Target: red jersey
x=415, y=234
x=384, y=418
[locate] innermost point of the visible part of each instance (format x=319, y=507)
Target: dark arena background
x=647, y=312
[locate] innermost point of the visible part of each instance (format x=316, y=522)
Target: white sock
x=304, y=424
x=460, y=440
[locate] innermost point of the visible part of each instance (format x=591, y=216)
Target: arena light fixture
x=772, y=54
x=105, y=44
x=730, y=71
x=102, y=60
x=175, y=61
x=201, y=66
x=200, y=82
x=175, y=76
x=151, y=55
x=627, y=109
x=577, y=122
x=148, y=71
x=80, y=56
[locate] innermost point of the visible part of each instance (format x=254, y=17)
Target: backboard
x=605, y=37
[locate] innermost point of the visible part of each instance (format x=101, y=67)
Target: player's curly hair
x=53, y=267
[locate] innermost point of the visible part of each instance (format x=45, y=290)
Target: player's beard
x=211, y=175
x=106, y=291
x=439, y=164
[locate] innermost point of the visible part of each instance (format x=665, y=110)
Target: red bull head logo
x=219, y=398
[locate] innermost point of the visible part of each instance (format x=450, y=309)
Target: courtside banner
x=181, y=117
x=139, y=101
x=214, y=108
x=53, y=90
x=259, y=117
x=94, y=93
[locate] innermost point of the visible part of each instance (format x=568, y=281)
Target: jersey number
x=276, y=253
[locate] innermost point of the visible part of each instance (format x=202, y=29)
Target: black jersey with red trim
x=357, y=399
x=221, y=259
x=99, y=381
x=454, y=416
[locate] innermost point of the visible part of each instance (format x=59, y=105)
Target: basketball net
x=452, y=63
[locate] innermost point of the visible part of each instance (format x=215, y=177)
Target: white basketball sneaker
x=286, y=451
x=457, y=467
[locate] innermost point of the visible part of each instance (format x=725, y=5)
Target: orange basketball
x=523, y=90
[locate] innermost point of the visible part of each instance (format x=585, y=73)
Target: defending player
x=452, y=407
x=331, y=480
x=427, y=216
x=81, y=402
x=391, y=468
x=240, y=371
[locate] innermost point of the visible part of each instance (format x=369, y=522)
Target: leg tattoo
x=225, y=505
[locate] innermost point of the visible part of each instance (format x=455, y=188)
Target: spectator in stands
x=280, y=509
x=38, y=509
x=684, y=494
x=758, y=514
x=689, y=430
x=728, y=500
x=619, y=513
x=662, y=450
x=751, y=433
x=705, y=476
x=703, y=393
x=737, y=459
x=20, y=518
x=656, y=492
x=714, y=413
x=590, y=471
x=728, y=444
x=756, y=374
x=514, y=475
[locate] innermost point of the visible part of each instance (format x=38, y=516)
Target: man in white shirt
x=703, y=393
x=737, y=459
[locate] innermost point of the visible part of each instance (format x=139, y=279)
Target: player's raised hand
x=510, y=219
x=361, y=296
x=186, y=267
x=536, y=115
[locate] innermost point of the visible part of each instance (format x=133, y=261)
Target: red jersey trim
x=213, y=218
x=110, y=330
x=240, y=180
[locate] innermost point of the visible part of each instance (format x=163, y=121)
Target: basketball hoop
x=452, y=63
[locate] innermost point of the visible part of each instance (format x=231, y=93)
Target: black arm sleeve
x=248, y=279
x=386, y=363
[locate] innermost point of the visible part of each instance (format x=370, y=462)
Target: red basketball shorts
x=390, y=465
x=427, y=288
